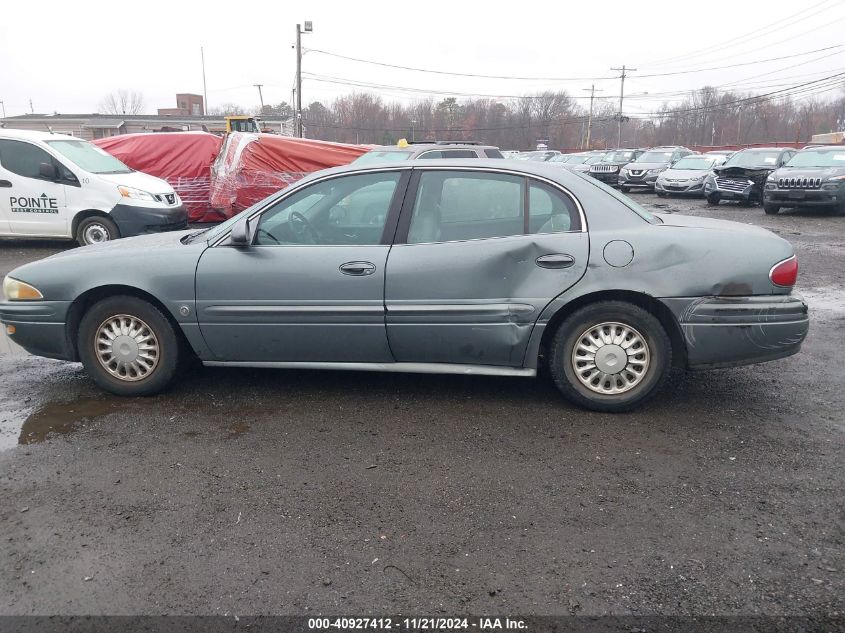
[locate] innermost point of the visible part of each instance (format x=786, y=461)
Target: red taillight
x=785, y=273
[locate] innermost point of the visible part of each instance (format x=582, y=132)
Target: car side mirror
x=48, y=171
x=242, y=233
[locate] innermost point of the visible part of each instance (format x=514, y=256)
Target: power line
x=735, y=40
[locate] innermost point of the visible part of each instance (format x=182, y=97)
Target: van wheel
x=128, y=346
x=610, y=356
x=96, y=230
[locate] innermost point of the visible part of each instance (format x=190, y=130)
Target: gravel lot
x=254, y=492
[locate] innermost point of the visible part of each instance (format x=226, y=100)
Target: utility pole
x=619, y=117
x=413, y=129
x=739, y=127
x=260, y=96
x=204, y=90
x=31, y=108
x=592, y=90
x=3, y=105
x=298, y=113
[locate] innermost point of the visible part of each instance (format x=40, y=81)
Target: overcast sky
x=66, y=56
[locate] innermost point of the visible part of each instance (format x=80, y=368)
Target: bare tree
x=227, y=109
x=122, y=102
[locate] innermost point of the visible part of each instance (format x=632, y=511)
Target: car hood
x=139, y=180
x=809, y=172
x=757, y=174
x=639, y=166
x=146, y=262
x=684, y=173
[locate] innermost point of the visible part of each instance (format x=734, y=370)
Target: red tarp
x=183, y=159
x=250, y=167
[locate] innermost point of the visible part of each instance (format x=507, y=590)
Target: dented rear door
x=471, y=291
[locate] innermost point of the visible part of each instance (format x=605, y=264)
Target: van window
x=23, y=159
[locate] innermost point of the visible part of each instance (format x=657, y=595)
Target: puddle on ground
x=52, y=419
x=827, y=299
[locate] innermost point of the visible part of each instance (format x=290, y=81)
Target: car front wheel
x=128, y=346
x=610, y=356
x=771, y=209
x=96, y=230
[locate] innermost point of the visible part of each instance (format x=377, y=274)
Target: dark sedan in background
x=467, y=267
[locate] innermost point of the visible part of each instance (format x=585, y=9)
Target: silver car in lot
x=463, y=267
x=687, y=175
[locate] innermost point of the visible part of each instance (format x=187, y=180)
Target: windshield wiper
x=190, y=238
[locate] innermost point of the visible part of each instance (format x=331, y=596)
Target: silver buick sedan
x=463, y=266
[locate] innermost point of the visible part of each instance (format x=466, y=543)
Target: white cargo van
x=53, y=185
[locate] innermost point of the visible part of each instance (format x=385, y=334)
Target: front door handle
x=555, y=260
x=5, y=183
x=359, y=269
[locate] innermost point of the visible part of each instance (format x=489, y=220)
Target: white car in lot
x=53, y=185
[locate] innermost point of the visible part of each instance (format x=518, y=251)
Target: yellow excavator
x=242, y=123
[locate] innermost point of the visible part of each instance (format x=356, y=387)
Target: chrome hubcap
x=95, y=233
x=610, y=358
x=127, y=348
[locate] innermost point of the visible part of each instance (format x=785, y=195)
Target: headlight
x=698, y=178
x=16, y=290
x=135, y=194
x=654, y=171
x=830, y=186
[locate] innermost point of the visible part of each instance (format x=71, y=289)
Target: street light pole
x=298, y=114
x=413, y=129
x=592, y=90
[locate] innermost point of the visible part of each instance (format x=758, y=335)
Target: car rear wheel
x=610, y=356
x=96, y=230
x=771, y=209
x=128, y=346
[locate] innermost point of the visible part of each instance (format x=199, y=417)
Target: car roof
x=535, y=168
x=765, y=149
x=34, y=135
x=426, y=146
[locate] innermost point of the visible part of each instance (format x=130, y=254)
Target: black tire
x=624, y=189
x=661, y=194
x=712, y=200
x=96, y=225
x=746, y=203
x=771, y=209
x=167, y=357
x=658, y=348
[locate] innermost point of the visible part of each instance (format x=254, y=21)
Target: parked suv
x=743, y=175
x=428, y=149
x=607, y=169
x=643, y=172
x=814, y=177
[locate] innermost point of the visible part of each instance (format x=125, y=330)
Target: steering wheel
x=268, y=234
x=300, y=225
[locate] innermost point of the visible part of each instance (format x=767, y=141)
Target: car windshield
x=697, y=163
x=592, y=160
x=577, y=160
x=655, y=157
x=561, y=158
x=89, y=157
x=383, y=156
x=753, y=159
x=618, y=157
x=819, y=158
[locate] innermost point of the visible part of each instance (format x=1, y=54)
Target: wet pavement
x=246, y=492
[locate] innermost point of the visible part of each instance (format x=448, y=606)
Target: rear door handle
x=5, y=183
x=555, y=260
x=359, y=269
